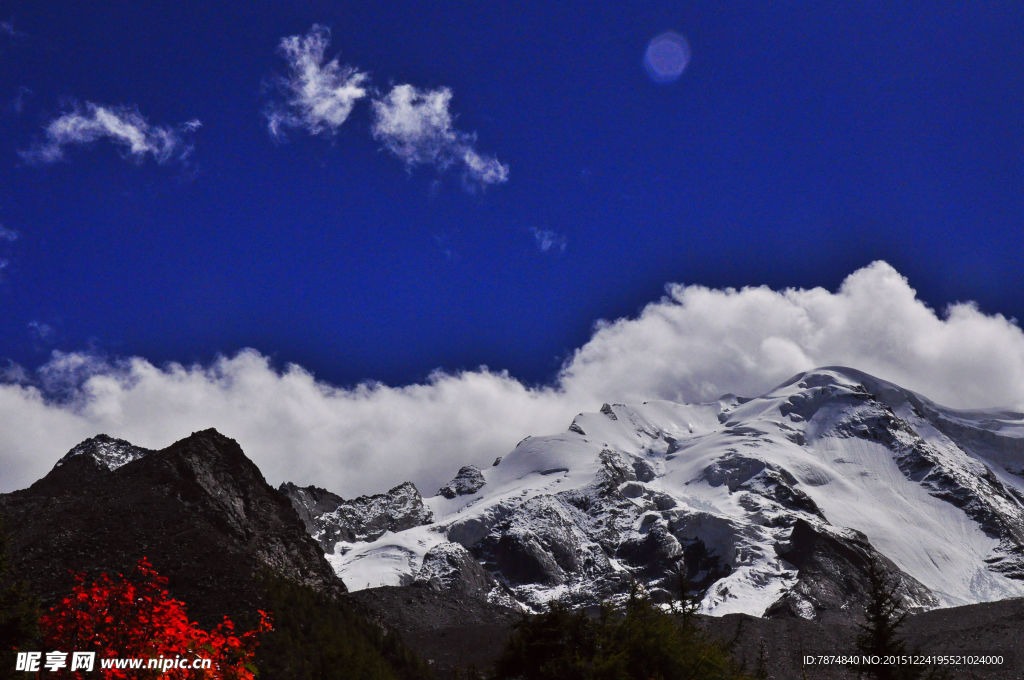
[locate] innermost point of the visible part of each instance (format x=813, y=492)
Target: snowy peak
x=771, y=504
x=107, y=452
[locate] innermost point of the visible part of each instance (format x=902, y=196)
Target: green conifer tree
x=880, y=635
x=638, y=640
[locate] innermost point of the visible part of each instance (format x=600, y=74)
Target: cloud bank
x=694, y=344
x=698, y=343
x=122, y=126
x=295, y=427
x=319, y=95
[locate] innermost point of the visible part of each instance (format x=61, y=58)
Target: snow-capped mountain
x=106, y=451
x=774, y=505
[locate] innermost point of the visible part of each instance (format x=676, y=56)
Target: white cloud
x=548, y=240
x=694, y=344
x=697, y=343
x=417, y=127
x=319, y=95
x=123, y=126
x=295, y=427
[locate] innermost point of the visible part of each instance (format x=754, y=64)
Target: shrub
x=135, y=617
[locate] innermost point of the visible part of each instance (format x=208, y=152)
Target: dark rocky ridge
x=199, y=510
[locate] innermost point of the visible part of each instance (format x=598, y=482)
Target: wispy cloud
x=417, y=127
x=549, y=241
x=6, y=236
x=445, y=243
x=319, y=94
x=413, y=124
x=122, y=126
x=40, y=330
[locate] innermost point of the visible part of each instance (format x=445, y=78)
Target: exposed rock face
x=199, y=510
x=832, y=576
x=311, y=502
x=449, y=567
x=330, y=518
x=469, y=480
x=543, y=542
x=589, y=544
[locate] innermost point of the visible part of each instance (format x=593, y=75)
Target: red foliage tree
x=137, y=618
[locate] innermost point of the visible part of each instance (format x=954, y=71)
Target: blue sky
x=802, y=142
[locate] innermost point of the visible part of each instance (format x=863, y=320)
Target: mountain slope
x=769, y=505
x=199, y=510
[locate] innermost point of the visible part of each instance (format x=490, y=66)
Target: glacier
x=772, y=505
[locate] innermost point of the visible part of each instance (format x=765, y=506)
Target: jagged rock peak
x=468, y=480
x=329, y=518
x=310, y=502
x=107, y=452
x=211, y=451
x=208, y=437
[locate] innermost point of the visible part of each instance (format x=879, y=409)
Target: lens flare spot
x=666, y=57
